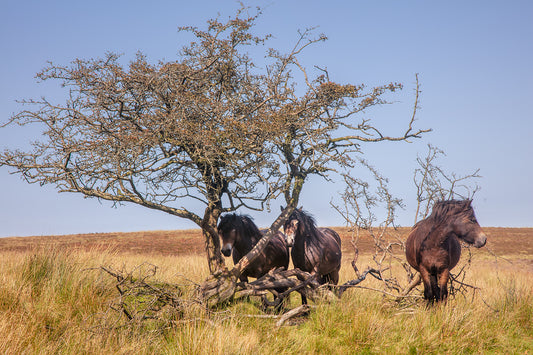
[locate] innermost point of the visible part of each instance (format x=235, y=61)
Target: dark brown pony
x=433, y=247
x=315, y=250
x=239, y=235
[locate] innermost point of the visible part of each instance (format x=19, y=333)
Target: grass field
x=55, y=299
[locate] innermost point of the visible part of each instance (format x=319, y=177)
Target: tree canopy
x=210, y=129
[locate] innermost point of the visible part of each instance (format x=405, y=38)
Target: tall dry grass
x=58, y=302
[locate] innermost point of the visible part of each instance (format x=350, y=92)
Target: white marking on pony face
x=290, y=231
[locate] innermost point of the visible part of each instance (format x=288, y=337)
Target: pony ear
x=281, y=208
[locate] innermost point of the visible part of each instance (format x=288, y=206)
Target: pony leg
x=443, y=285
x=428, y=289
x=434, y=287
x=313, y=273
x=284, y=303
x=304, y=299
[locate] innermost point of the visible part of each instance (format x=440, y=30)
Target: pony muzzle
x=289, y=238
x=480, y=241
x=226, y=250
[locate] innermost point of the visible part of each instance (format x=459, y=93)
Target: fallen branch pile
x=141, y=298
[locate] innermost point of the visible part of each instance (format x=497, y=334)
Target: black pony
x=315, y=250
x=239, y=235
x=433, y=247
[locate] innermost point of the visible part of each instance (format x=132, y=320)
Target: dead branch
x=415, y=282
x=300, y=310
x=373, y=272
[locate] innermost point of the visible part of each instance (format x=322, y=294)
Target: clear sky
x=474, y=60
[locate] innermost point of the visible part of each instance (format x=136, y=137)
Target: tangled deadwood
x=280, y=283
x=141, y=299
x=294, y=280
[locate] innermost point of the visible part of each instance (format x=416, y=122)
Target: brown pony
x=315, y=250
x=239, y=235
x=433, y=247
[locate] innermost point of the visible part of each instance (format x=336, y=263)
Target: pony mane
x=307, y=220
x=226, y=221
x=442, y=210
x=243, y=223
x=248, y=225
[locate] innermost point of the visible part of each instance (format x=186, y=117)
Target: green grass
x=57, y=302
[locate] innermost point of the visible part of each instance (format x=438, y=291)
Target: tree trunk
x=212, y=241
x=214, y=256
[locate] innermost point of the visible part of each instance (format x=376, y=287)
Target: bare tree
x=209, y=129
x=369, y=209
x=434, y=183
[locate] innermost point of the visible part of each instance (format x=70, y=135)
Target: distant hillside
x=182, y=242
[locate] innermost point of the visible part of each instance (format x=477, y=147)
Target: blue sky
x=473, y=59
